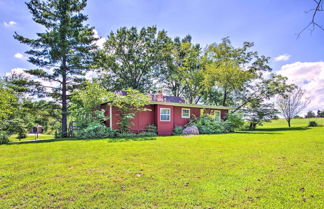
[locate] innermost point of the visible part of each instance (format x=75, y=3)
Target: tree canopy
x=132, y=58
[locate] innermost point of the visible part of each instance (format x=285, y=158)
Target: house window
x=185, y=113
x=165, y=114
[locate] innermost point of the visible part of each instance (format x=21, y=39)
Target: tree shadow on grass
x=253, y=132
x=146, y=138
x=273, y=130
x=283, y=129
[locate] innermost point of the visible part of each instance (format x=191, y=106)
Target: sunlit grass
x=294, y=123
x=273, y=167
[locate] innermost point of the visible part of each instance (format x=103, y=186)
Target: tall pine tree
x=64, y=51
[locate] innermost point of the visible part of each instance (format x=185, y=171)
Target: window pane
x=185, y=113
x=165, y=117
x=165, y=114
x=165, y=111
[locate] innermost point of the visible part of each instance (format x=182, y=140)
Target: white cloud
x=283, y=57
x=310, y=77
x=9, y=24
x=100, y=42
x=21, y=71
x=17, y=71
x=19, y=56
x=91, y=74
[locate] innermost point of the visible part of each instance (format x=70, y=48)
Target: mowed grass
x=273, y=167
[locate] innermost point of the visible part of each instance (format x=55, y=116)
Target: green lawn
x=273, y=167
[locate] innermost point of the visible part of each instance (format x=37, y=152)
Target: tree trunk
x=224, y=98
x=252, y=126
x=288, y=123
x=64, y=101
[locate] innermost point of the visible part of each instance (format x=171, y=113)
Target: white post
x=110, y=117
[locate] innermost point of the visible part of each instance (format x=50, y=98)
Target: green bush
x=21, y=134
x=4, y=139
x=208, y=125
x=177, y=130
x=143, y=134
x=151, y=129
x=232, y=123
x=312, y=124
x=126, y=135
x=96, y=130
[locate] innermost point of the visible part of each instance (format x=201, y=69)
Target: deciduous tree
x=292, y=104
x=133, y=58
x=184, y=74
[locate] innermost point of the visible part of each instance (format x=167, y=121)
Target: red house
x=166, y=112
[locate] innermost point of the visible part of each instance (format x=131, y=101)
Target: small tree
x=87, y=101
x=290, y=105
x=310, y=114
x=84, y=109
x=320, y=114
x=129, y=104
x=257, y=113
x=8, y=103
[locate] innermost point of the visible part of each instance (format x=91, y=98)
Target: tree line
x=145, y=59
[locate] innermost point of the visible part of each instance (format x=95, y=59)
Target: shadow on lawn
x=76, y=139
x=283, y=129
x=253, y=132
x=273, y=130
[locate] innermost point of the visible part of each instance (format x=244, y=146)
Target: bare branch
x=313, y=24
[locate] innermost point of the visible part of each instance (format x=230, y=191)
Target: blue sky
x=272, y=24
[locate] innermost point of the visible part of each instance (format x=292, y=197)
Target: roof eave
x=194, y=105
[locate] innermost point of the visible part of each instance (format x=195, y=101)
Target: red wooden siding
x=178, y=120
x=224, y=114
x=164, y=128
x=144, y=118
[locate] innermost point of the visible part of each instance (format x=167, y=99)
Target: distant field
x=273, y=167
x=294, y=123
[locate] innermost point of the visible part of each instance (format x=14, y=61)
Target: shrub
x=4, y=138
x=151, y=129
x=234, y=122
x=312, y=124
x=177, y=130
x=191, y=130
x=96, y=130
x=126, y=135
x=21, y=134
x=208, y=125
x=142, y=134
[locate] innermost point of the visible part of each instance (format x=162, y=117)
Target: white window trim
x=169, y=113
x=182, y=116
x=220, y=115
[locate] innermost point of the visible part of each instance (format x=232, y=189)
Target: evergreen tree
x=63, y=52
